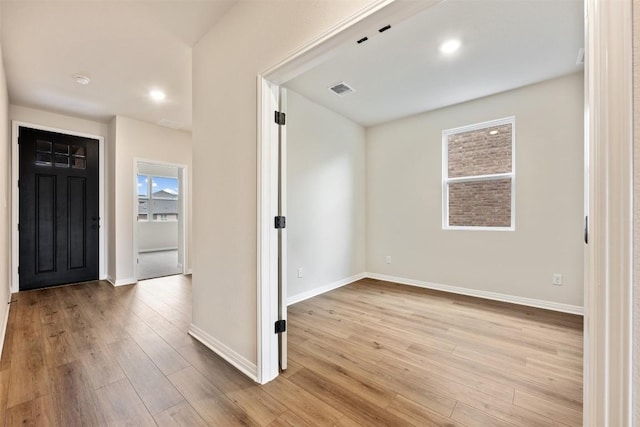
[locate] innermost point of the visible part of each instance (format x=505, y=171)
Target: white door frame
x=182, y=214
x=608, y=293
x=607, y=373
x=15, y=194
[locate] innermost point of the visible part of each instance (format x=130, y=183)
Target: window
x=478, y=176
x=157, y=198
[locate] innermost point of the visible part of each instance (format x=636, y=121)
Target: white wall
x=325, y=197
x=55, y=120
x=5, y=203
x=157, y=235
x=404, y=198
x=111, y=199
x=144, y=141
x=247, y=40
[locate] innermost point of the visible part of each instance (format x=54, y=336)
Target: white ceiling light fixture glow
x=82, y=79
x=493, y=132
x=157, y=95
x=450, y=46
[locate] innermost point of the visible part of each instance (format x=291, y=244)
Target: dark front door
x=58, y=223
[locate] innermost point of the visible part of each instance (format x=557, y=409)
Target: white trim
x=121, y=282
x=171, y=248
x=325, y=288
x=609, y=297
x=476, y=178
x=267, y=253
x=15, y=173
x=5, y=322
x=189, y=271
x=242, y=364
x=529, y=302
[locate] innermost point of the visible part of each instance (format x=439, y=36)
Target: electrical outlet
x=300, y=272
x=387, y=259
x=557, y=279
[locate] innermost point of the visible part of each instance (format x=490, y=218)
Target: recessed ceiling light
x=493, y=132
x=450, y=46
x=157, y=95
x=82, y=79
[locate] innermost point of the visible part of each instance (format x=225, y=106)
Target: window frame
x=446, y=181
x=150, y=199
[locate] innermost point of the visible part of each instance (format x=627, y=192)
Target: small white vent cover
x=341, y=89
x=170, y=124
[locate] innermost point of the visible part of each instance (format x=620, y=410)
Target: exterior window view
x=479, y=175
x=157, y=198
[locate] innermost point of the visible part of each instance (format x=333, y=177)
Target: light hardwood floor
x=370, y=354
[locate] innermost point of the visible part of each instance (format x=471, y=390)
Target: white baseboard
x=189, y=271
x=121, y=282
x=326, y=288
x=530, y=302
x=5, y=321
x=241, y=363
x=144, y=251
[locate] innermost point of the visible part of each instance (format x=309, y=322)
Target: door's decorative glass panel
x=43, y=159
x=78, y=151
x=44, y=146
x=79, y=163
x=62, y=161
x=61, y=149
x=43, y=153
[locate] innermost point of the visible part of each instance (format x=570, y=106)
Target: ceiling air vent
x=170, y=124
x=341, y=89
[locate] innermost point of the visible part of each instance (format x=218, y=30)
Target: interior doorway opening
x=159, y=238
x=271, y=98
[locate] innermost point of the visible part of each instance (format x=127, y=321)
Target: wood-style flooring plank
x=418, y=415
x=75, y=402
x=101, y=367
x=344, y=399
x=180, y=415
x=38, y=412
x=121, y=405
x=473, y=417
x=153, y=387
x=162, y=354
x=307, y=408
x=209, y=401
x=548, y=408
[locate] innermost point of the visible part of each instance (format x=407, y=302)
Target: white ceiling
x=505, y=44
x=126, y=47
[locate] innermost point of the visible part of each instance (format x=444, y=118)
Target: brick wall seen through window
x=478, y=175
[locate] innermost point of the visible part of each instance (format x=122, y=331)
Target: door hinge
x=586, y=230
x=18, y=183
x=18, y=227
x=18, y=269
x=281, y=326
x=280, y=118
x=280, y=222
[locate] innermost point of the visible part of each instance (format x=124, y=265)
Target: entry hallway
x=369, y=354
